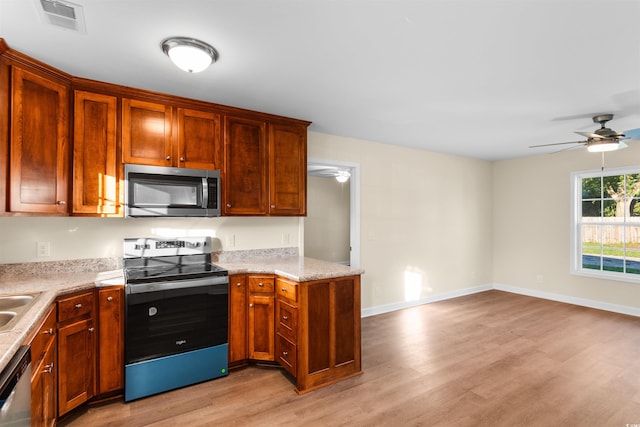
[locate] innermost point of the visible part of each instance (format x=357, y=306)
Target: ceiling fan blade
x=558, y=143
x=632, y=134
x=590, y=135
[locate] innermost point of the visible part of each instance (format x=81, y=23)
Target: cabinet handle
x=61, y=202
x=238, y=284
x=273, y=206
x=285, y=353
x=284, y=289
x=285, y=317
x=78, y=306
x=168, y=157
x=261, y=284
x=48, y=331
x=91, y=329
x=228, y=205
x=109, y=299
x=251, y=305
x=48, y=368
x=182, y=159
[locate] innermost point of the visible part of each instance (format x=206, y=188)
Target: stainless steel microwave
x=157, y=191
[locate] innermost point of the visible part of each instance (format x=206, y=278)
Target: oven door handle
x=176, y=284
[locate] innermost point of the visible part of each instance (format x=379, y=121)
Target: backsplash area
x=108, y=264
x=78, y=238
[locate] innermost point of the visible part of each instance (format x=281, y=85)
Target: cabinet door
x=146, y=133
x=245, y=167
x=43, y=388
x=287, y=169
x=238, y=318
x=39, y=164
x=199, y=136
x=110, y=339
x=76, y=364
x=95, y=160
x=261, y=327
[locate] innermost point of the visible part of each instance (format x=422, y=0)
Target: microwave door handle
x=205, y=191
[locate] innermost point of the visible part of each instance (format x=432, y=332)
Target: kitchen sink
x=6, y=317
x=13, y=301
x=13, y=307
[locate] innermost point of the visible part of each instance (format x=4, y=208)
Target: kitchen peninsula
x=311, y=309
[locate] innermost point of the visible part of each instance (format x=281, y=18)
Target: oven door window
x=169, y=322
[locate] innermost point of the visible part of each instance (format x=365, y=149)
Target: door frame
x=354, y=205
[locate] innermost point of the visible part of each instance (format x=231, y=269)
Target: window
x=606, y=224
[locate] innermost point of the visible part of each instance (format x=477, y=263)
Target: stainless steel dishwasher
x=15, y=390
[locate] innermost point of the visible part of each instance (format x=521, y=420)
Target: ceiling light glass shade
x=603, y=145
x=188, y=54
x=343, y=176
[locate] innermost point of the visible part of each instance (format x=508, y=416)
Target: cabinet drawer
x=261, y=284
x=287, y=290
x=40, y=341
x=75, y=306
x=287, y=320
x=286, y=354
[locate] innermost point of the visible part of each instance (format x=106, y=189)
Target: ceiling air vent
x=62, y=14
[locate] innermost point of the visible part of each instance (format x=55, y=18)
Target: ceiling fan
x=603, y=139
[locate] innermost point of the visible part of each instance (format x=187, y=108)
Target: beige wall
x=532, y=225
x=326, y=227
x=426, y=219
x=80, y=238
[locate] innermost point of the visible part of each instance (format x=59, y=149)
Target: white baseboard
x=380, y=309
x=622, y=309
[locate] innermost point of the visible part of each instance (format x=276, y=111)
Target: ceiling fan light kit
x=601, y=140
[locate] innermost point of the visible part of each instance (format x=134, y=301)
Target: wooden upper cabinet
x=146, y=133
x=287, y=169
x=39, y=143
x=245, y=167
x=199, y=136
x=95, y=156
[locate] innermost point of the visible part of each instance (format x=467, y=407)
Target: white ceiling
x=478, y=78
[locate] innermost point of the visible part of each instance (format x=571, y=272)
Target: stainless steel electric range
x=176, y=316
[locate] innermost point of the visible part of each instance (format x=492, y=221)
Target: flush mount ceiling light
x=189, y=54
x=343, y=176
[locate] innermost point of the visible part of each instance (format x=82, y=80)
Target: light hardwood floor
x=488, y=359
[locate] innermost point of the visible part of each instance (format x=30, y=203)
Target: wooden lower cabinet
x=110, y=339
x=326, y=344
x=260, y=330
x=76, y=350
x=43, y=372
x=238, y=340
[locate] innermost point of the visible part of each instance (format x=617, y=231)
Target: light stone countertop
x=53, y=284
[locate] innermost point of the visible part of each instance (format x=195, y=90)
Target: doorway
x=332, y=225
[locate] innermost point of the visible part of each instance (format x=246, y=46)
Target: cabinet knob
x=91, y=329
x=285, y=317
x=109, y=298
x=78, y=306
x=168, y=157
x=273, y=206
x=228, y=205
x=182, y=159
x=61, y=202
x=285, y=353
x=48, y=368
x=238, y=284
x=283, y=289
x=251, y=305
x=261, y=284
x=48, y=331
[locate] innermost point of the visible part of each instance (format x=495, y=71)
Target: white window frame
x=576, y=221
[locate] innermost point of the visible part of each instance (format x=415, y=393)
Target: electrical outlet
x=43, y=249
